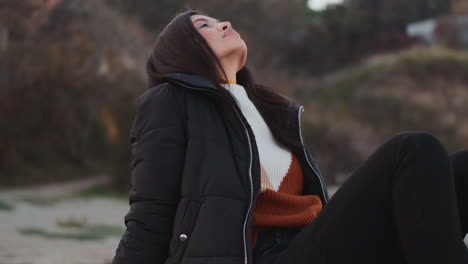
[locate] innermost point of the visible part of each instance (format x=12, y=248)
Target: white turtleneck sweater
x=274, y=159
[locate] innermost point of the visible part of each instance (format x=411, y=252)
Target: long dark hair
x=180, y=48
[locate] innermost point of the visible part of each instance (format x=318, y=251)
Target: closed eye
x=202, y=25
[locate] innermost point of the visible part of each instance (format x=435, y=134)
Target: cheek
x=213, y=41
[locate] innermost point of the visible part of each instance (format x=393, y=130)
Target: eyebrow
x=204, y=20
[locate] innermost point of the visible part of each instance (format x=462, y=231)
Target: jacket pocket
x=185, y=219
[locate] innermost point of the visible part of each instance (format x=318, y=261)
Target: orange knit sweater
x=285, y=207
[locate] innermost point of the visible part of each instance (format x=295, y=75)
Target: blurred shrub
x=361, y=107
x=68, y=98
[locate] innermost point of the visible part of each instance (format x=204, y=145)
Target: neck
x=231, y=70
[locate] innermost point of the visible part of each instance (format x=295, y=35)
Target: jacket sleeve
x=158, y=143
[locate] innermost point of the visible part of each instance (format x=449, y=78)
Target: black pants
x=408, y=203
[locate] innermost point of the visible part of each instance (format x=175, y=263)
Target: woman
x=220, y=173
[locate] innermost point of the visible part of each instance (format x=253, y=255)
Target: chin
x=233, y=48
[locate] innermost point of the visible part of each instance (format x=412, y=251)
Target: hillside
x=357, y=109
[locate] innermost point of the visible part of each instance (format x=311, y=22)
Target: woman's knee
x=423, y=157
x=421, y=141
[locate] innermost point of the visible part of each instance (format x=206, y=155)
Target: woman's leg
x=398, y=207
x=460, y=171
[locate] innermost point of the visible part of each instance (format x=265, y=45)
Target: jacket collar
x=196, y=80
x=202, y=82
x=189, y=79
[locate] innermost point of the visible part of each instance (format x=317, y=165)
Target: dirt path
x=18, y=248
x=54, y=189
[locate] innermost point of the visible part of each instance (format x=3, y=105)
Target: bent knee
x=421, y=140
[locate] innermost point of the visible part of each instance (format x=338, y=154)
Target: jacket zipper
x=250, y=167
x=301, y=109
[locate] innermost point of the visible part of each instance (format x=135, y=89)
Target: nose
x=225, y=25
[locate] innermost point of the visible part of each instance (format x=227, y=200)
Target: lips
x=228, y=32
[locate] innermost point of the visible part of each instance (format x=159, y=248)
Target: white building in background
x=451, y=29
x=319, y=5
x=425, y=30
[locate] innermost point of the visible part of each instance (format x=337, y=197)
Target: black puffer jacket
x=195, y=176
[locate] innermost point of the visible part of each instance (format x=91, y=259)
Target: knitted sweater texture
x=280, y=202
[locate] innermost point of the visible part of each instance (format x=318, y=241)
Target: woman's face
x=225, y=42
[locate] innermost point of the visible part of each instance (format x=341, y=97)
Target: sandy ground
x=16, y=248
x=54, y=189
